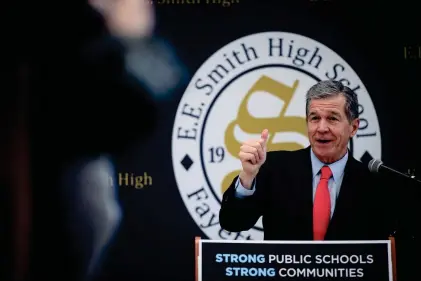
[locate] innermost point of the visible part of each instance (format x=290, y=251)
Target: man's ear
x=355, y=124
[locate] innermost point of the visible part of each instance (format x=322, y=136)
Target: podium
x=221, y=260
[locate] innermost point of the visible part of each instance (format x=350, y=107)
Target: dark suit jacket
x=284, y=198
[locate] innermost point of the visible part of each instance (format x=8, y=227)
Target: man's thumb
x=264, y=137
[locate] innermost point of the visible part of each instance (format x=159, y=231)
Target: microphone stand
x=409, y=185
x=408, y=238
x=404, y=243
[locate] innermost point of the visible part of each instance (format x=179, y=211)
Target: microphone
x=376, y=166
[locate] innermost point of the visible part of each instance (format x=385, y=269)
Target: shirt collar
x=337, y=167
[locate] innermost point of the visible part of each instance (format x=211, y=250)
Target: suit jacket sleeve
x=240, y=214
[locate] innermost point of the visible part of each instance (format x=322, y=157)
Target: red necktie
x=321, y=206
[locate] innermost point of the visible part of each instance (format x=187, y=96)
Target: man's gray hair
x=331, y=88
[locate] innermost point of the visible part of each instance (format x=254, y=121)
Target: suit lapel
x=304, y=193
x=344, y=202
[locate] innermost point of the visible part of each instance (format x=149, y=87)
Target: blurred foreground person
x=93, y=211
x=85, y=107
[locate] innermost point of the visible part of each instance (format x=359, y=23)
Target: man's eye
x=333, y=118
x=314, y=118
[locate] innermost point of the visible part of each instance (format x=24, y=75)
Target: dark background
x=156, y=238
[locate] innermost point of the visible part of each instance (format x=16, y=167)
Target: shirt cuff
x=241, y=191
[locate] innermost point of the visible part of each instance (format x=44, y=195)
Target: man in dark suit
x=317, y=193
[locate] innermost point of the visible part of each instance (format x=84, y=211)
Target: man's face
x=329, y=130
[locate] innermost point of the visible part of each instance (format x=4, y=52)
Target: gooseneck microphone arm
x=376, y=166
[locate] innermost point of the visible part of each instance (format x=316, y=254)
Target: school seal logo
x=255, y=82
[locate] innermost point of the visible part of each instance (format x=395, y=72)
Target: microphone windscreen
x=374, y=165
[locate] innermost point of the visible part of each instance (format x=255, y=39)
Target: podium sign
x=294, y=260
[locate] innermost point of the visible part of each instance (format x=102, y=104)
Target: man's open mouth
x=324, y=141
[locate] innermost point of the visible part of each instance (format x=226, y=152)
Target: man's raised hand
x=252, y=156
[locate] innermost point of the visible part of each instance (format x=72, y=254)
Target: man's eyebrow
x=330, y=112
x=334, y=113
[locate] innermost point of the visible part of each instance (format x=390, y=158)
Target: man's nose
x=323, y=126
